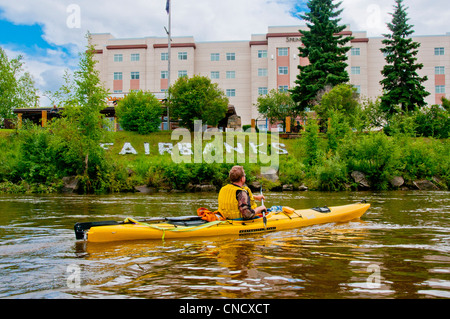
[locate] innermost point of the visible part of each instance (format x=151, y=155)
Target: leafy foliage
x=140, y=112
x=197, y=98
x=276, y=106
x=403, y=89
x=17, y=88
x=326, y=50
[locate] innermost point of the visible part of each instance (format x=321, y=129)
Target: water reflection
x=404, y=239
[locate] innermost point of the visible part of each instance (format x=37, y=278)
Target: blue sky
x=51, y=33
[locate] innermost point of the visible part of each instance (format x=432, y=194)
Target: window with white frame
x=215, y=56
x=231, y=74
x=439, y=51
x=182, y=73
x=262, y=90
x=356, y=70
x=283, y=51
x=440, y=89
x=182, y=55
x=135, y=75
x=283, y=88
x=262, y=54
x=439, y=70
x=231, y=92
x=118, y=57
x=283, y=70
x=118, y=75
x=358, y=88
x=262, y=72
x=135, y=57
x=215, y=75
x=356, y=51
x=165, y=56
x=164, y=74
x=231, y=56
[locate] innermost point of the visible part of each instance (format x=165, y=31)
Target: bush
x=375, y=154
x=433, y=122
x=332, y=175
x=140, y=112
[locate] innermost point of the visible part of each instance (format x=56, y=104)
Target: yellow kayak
x=188, y=227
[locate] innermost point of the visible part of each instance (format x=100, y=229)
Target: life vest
x=228, y=204
x=208, y=215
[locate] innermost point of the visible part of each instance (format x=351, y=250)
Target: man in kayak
x=236, y=200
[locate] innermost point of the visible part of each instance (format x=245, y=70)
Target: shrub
x=140, y=112
x=332, y=175
x=374, y=154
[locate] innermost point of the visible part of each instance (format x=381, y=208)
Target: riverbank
x=162, y=162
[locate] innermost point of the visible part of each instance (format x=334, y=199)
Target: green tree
x=197, y=98
x=402, y=86
x=326, y=50
x=16, y=86
x=343, y=99
x=276, y=106
x=77, y=135
x=140, y=112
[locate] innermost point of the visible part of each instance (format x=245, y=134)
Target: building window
x=439, y=51
x=231, y=74
x=262, y=91
x=356, y=70
x=440, y=89
x=164, y=74
x=283, y=88
x=118, y=57
x=118, y=75
x=358, y=88
x=135, y=57
x=439, y=70
x=231, y=56
x=165, y=56
x=231, y=92
x=262, y=72
x=283, y=70
x=117, y=91
x=283, y=51
x=182, y=55
x=356, y=51
x=215, y=75
x=135, y=75
x=262, y=54
x=215, y=56
x=182, y=73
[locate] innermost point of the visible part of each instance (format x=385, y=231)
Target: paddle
x=264, y=211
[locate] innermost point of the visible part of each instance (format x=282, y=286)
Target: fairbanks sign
x=214, y=146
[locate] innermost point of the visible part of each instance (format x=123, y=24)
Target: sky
x=49, y=34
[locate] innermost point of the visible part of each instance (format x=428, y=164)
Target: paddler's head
x=237, y=175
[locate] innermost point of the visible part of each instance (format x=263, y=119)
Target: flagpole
x=169, y=7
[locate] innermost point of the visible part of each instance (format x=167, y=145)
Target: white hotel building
x=246, y=69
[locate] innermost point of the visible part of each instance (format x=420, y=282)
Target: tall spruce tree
x=402, y=86
x=326, y=50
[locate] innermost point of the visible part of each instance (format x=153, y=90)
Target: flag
x=168, y=6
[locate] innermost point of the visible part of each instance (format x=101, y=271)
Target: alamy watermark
x=374, y=279
x=73, y=20
x=74, y=277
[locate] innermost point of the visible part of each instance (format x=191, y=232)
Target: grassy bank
x=317, y=161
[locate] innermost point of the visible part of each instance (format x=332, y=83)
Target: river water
x=399, y=249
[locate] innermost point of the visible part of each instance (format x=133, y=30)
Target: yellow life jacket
x=228, y=204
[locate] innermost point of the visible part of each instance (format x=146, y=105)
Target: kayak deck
x=131, y=229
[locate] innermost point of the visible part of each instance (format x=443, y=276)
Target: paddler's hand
x=259, y=197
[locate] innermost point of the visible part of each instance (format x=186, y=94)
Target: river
x=399, y=249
